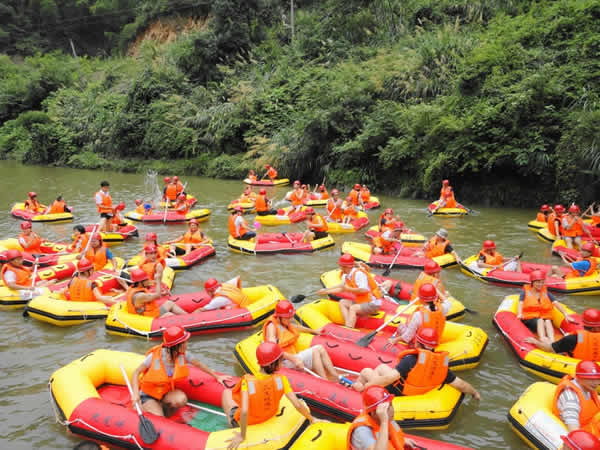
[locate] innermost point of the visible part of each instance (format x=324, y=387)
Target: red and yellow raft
x=158, y=217
x=408, y=239
x=181, y=262
x=20, y=212
x=50, y=255
x=459, y=211
x=270, y=243
x=405, y=259
x=267, y=183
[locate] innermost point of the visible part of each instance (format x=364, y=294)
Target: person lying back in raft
x=238, y=227
x=105, y=207
x=255, y=399
x=226, y=295
x=317, y=226
x=584, y=266
x=140, y=300
x=573, y=227
x=585, y=344
x=418, y=371
x=375, y=427
x=32, y=204
x=263, y=204
x=80, y=239
x=271, y=173
x=58, y=206
x=280, y=330
x=28, y=240
x=361, y=285
x=18, y=277
x=153, y=381
x=430, y=314
x=542, y=215
x=82, y=289
x=438, y=245
x=535, y=307
x=580, y=440
x=490, y=258
x=388, y=241
x=334, y=207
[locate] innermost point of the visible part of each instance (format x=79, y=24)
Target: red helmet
x=349, y=199
x=537, y=275
x=398, y=225
x=175, y=335
x=357, y=186
x=138, y=201
x=591, y=318
x=346, y=260
x=428, y=336
x=97, y=237
x=12, y=254
x=181, y=197
x=284, y=309
x=150, y=248
x=211, y=284
x=32, y=194
x=267, y=353
x=574, y=209
x=25, y=225
x=559, y=208
x=335, y=192
x=581, y=440
x=193, y=221
x=167, y=180
x=375, y=395
x=84, y=265
x=427, y=292
x=120, y=206
x=489, y=244
x=151, y=236
x=297, y=183
x=237, y=208
x=445, y=182
x=175, y=178
x=262, y=191
x=310, y=210
x=432, y=267
x=588, y=247
x=267, y=166
x=545, y=208
x=321, y=188
x=588, y=370
x=137, y=275
x=281, y=212
x=388, y=211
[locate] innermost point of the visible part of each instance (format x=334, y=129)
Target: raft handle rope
x=265, y=441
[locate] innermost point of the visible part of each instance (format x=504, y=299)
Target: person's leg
x=171, y=307
x=321, y=358
x=578, y=242
x=102, y=224
x=377, y=250
x=549, y=330
x=174, y=400
x=344, y=308
x=153, y=406
x=569, y=241
x=541, y=330
x=556, y=272
x=353, y=311
x=229, y=406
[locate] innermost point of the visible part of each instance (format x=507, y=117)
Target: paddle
x=389, y=269
x=166, y=211
x=202, y=408
x=299, y=297
x=367, y=338
x=288, y=238
x=145, y=427
x=35, y=268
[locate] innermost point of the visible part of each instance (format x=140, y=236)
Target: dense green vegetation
x=500, y=96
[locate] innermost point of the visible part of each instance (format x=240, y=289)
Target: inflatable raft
x=408, y=239
x=190, y=200
x=544, y=235
x=282, y=219
x=51, y=254
x=91, y=399
x=399, y=294
x=559, y=247
x=589, y=285
x=263, y=300
x=333, y=436
x=269, y=243
x=361, y=221
x=316, y=201
x=547, y=365
x=532, y=419
x=18, y=211
x=267, y=183
x=432, y=410
x=157, y=217
x=55, y=309
x=459, y=211
x=111, y=238
x=535, y=225
x=181, y=262
x=247, y=207
x=465, y=344
x=405, y=260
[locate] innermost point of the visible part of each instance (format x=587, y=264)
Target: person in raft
x=334, y=207
x=354, y=196
x=580, y=440
x=28, y=240
x=170, y=190
x=430, y=274
x=248, y=196
x=573, y=227
x=438, y=245
x=417, y=371
x=271, y=173
x=375, y=427
x=226, y=295
x=140, y=207
x=58, y=206
x=364, y=196
x=179, y=187
x=554, y=221
x=18, y=277
x=576, y=400
x=238, y=227
x=446, y=199
x=387, y=241
x=140, y=300
x=361, y=285
x=104, y=205
x=98, y=254
x=192, y=239
x=430, y=314
x=317, y=226
x=585, y=344
x=387, y=221
x=80, y=239
x=82, y=289
x=322, y=194
x=255, y=399
x=165, y=364
x=32, y=204
x=252, y=176
x=263, y=204
x=542, y=215
x=490, y=258
x=152, y=238
x=297, y=197
x=592, y=214
x=280, y=330
x=584, y=266
x=153, y=266
x=117, y=221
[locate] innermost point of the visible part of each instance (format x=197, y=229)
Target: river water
x=30, y=350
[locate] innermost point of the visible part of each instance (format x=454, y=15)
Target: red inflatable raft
x=114, y=237
x=268, y=243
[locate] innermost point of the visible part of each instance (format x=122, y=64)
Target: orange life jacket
x=589, y=407
x=421, y=280
x=335, y=212
x=182, y=207
x=297, y=197
x=552, y=218
x=432, y=319
x=57, y=207
x=381, y=242
x=140, y=209
x=395, y=434
x=233, y=293
x=171, y=192
x=365, y=297
x=83, y=238
x=193, y=238
x=365, y=195
x=179, y=187
x=575, y=228
x=385, y=224
x=97, y=257
x=354, y=196
x=435, y=248
x=32, y=205
x=536, y=304
x=34, y=242
x=493, y=260
x=324, y=195
x=318, y=224
x=429, y=372
x=588, y=346
x=252, y=177
x=231, y=225
x=150, y=309
x=106, y=205
x=81, y=290
x=23, y=275
x=155, y=381
x=272, y=173
x=595, y=220
x=263, y=397
x=350, y=211
x=593, y=265
x=448, y=196
x=286, y=337
x=261, y=203
x=150, y=267
x=541, y=217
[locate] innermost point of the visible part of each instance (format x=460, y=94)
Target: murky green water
x=30, y=351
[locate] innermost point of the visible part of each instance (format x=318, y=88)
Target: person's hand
x=382, y=411
x=570, y=319
x=319, y=332
x=410, y=443
x=323, y=291
x=299, y=364
x=358, y=386
x=476, y=395
x=135, y=400
x=222, y=379
x=530, y=340
x=235, y=441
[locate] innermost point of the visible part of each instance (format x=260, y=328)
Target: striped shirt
x=568, y=405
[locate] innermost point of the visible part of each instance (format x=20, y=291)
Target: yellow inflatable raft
x=406, y=259
x=267, y=183
x=248, y=207
x=408, y=239
x=158, y=217
x=459, y=211
x=19, y=211
x=282, y=219
x=535, y=225
x=270, y=243
x=91, y=399
x=181, y=262
x=532, y=419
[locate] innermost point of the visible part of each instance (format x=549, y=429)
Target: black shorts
x=394, y=389
x=106, y=215
x=531, y=324
x=320, y=234
x=247, y=236
x=268, y=212
x=145, y=397
x=230, y=418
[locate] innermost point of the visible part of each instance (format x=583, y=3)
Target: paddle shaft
x=381, y=327
x=387, y=271
x=202, y=408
